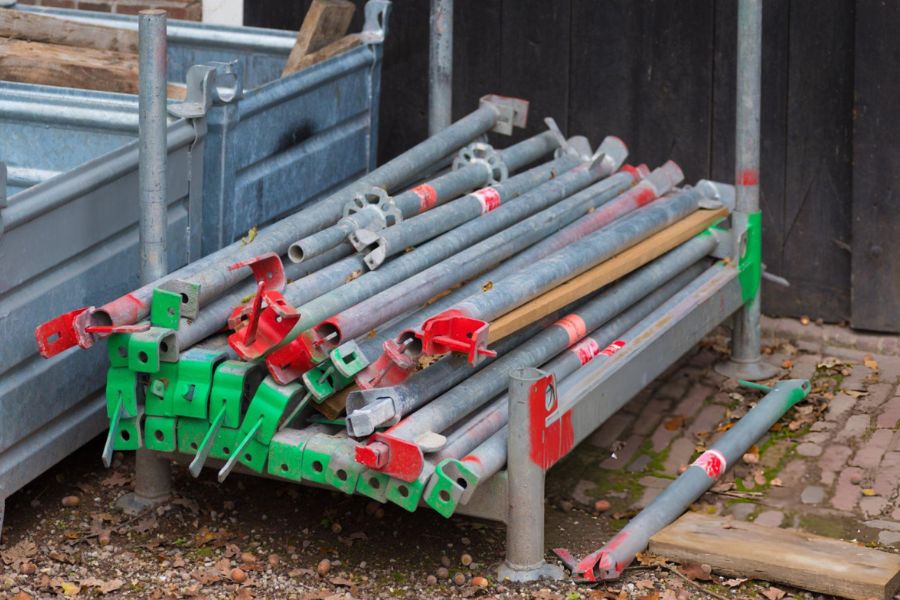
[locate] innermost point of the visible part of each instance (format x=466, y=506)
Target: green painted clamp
x=223, y=443
x=117, y=348
x=147, y=349
x=122, y=392
x=407, y=494
x=342, y=472
x=317, y=455
x=268, y=407
x=254, y=455
x=128, y=433
x=234, y=383
x=323, y=381
x=159, y=433
x=286, y=453
x=190, y=434
x=373, y=484
x=750, y=263
x=159, y=401
x=165, y=309
x=451, y=481
x=194, y=382
x=348, y=360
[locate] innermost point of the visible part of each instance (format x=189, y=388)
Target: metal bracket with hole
x=189, y=293
x=215, y=83
x=513, y=112
x=376, y=21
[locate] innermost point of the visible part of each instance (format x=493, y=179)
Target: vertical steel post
x=152, y=478
x=440, y=66
x=525, y=523
x=745, y=360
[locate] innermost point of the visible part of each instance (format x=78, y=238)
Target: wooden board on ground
x=66, y=66
x=31, y=27
x=606, y=272
x=798, y=559
x=326, y=22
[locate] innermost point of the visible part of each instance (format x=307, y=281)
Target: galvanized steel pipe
x=440, y=66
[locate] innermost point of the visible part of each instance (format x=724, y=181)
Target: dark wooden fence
x=660, y=74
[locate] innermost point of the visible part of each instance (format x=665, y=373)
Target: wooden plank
x=32, y=27
x=65, y=66
x=534, y=60
x=875, y=283
x=818, y=169
x=326, y=22
x=802, y=560
x=606, y=272
x=333, y=49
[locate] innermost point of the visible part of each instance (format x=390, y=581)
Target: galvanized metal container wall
x=275, y=144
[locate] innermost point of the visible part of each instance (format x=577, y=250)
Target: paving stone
x=883, y=524
x=821, y=426
x=817, y=437
x=872, y=506
x=636, y=404
x=890, y=414
x=889, y=538
x=625, y=454
x=809, y=449
x=869, y=455
x=674, y=388
x=887, y=478
x=774, y=454
x=742, y=510
x=611, y=430
x=662, y=437
x=651, y=415
x=581, y=492
x=710, y=416
x=770, y=518
x=888, y=368
x=890, y=459
x=827, y=478
x=653, y=487
x=691, y=404
x=895, y=442
x=878, y=395
x=834, y=457
x=812, y=494
x=846, y=494
x=680, y=453
x=855, y=426
x=805, y=366
x=895, y=514
x=839, y=406
x=639, y=464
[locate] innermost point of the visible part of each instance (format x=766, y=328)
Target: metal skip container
x=245, y=148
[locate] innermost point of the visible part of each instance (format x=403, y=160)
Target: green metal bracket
x=373, y=484
x=348, y=360
x=117, y=348
x=267, y=407
x=165, y=309
x=750, y=263
x=407, y=495
x=323, y=381
x=194, y=382
x=286, y=453
x=224, y=443
x=317, y=455
x=128, y=433
x=342, y=472
x=122, y=392
x=159, y=400
x=447, y=486
x=254, y=455
x=234, y=383
x=147, y=349
x=159, y=434
x=190, y=434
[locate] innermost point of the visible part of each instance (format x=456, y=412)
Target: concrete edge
x=829, y=339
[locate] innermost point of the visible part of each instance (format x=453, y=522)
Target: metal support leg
x=745, y=360
x=152, y=478
x=525, y=525
x=440, y=66
x=2, y=513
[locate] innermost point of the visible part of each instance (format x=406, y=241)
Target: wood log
x=326, y=22
x=67, y=66
x=32, y=27
x=802, y=560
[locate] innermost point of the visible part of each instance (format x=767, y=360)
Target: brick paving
x=831, y=466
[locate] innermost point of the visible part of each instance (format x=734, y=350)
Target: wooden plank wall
x=660, y=75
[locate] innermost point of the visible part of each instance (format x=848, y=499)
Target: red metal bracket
x=111, y=329
x=60, y=333
x=392, y=368
x=549, y=442
x=393, y=456
x=267, y=269
x=291, y=361
x=452, y=331
x=265, y=328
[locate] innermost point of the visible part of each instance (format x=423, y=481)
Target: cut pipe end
x=295, y=253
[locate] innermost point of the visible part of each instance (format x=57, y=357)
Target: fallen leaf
x=146, y=524
x=773, y=593
x=650, y=560
x=696, y=571
x=722, y=486
x=868, y=492
x=116, y=479
x=733, y=582
x=231, y=551
x=251, y=235
x=668, y=595
x=759, y=477
x=342, y=581
x=776, y=482
x=644, y=584
x=299, y=571
x=856, y=393
x=651, y=596
x=674, y=423
x=870, y=362
x=488, y=285
x=20, y=552
x=804, y=320
x=188, y=503
x=787, y=363
x=68, y=588
x=104, y=587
